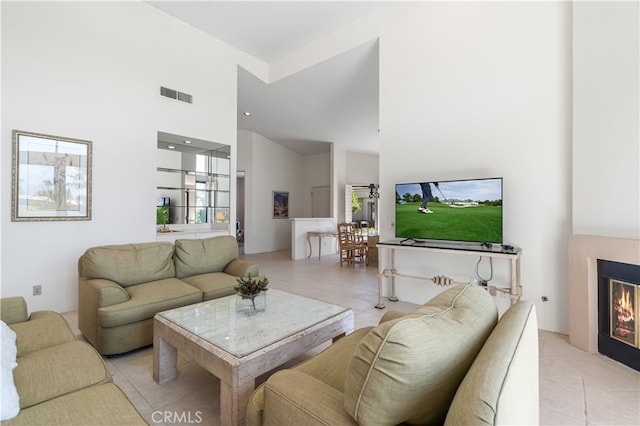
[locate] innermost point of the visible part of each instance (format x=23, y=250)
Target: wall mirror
x=51, y=178
x=360, y=208
x=193, y=185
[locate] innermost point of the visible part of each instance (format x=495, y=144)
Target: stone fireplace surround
x=584, y=252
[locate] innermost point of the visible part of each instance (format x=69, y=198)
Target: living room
x=531, y=92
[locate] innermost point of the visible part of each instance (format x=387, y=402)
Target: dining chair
x=353, y=247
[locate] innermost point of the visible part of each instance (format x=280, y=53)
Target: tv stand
x=410, y=239
x=496, y=251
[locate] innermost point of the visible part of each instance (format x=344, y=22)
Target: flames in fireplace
x=624, y=307
x=623, y=315
x=618, y=311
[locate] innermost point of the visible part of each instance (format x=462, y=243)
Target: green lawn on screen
x=473, y=223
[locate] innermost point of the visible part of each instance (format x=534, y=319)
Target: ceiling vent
x=174, y=94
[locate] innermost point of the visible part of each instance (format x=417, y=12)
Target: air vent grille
x=185, y=97
x=174, y=94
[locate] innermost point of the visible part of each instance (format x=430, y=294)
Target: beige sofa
x=59, y=380
x=122, y=287
x=447, y=362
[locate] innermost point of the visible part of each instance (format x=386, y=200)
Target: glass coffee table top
x=217, y=321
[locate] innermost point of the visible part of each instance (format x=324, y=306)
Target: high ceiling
x=334, y=101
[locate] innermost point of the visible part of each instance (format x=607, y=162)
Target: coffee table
x=236, y=347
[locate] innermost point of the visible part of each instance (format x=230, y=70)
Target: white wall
x=92, y=70
x=606, y=116
x=244, y=163
x=478, y=90
x=270, y=167
x=316, y=172
x=362, y=168
x=338, y=181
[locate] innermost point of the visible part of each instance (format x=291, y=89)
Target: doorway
x=240, y=220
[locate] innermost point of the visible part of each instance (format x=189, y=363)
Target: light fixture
x=373, y=191
x=171, y=146
x=187, y=142
x=247, y=114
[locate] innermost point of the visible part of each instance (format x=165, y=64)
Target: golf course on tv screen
x=461, y=210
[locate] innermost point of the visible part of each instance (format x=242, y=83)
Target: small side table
x=319, y=234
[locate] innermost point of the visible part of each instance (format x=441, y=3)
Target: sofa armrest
x=502, y=385
x=44, y=329
x=92, y=295
x=241, y=268
x=391, y=315
x=294, y=398
x=102, y=292
x=13, y=310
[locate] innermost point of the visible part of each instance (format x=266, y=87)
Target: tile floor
x=576, y=388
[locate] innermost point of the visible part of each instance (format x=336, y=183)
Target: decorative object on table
x=280, y=204
x=51, y=178
x=252, y=294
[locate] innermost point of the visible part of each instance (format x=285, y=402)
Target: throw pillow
x=407, y=370
x=10, y=401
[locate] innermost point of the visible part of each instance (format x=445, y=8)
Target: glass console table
x=513, y=254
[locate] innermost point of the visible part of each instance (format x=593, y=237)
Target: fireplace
x=618, y=295
x=584, y=252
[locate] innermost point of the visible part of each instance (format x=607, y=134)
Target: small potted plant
x=253, y=291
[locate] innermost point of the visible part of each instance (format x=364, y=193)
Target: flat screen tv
x=468, y=210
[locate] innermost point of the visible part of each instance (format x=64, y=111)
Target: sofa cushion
x=43, y=330
x=308, y=402
x=128, y=264
x=195, y=257
x=147, y=299
x=58, y=370
x=328, y=366
x=103, y=404
x=407, y=370
x=213, y=285
x=501, y=386
x=9, y=399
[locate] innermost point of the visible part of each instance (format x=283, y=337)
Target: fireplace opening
x=618, y=309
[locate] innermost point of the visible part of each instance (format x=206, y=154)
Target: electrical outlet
x=37, y=290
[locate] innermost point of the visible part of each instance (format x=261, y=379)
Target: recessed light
x=247, y=114
x=187, y=142
x=171, y=146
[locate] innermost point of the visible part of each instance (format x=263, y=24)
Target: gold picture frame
x=51, y=178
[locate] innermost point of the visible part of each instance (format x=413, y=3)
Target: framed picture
x=280, y=205
x=51, y=178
